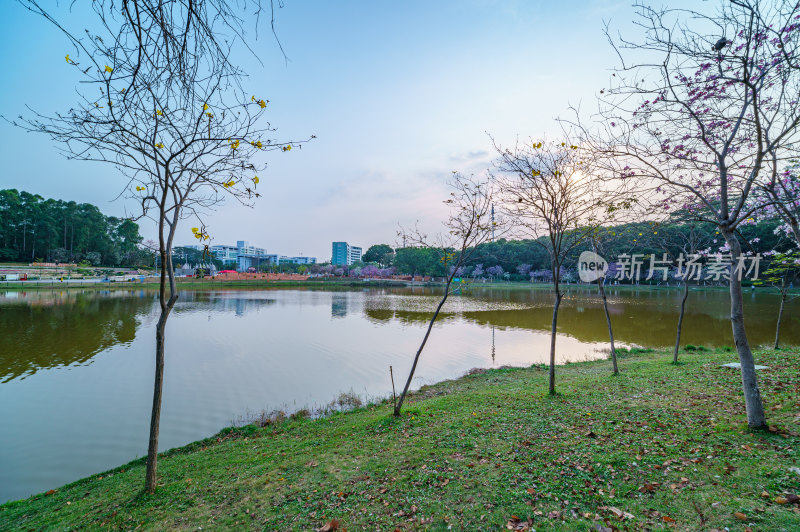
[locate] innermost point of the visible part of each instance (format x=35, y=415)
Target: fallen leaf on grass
x=330, y=526
x=619, y=514
x=781, y=500
x=649, y=487
x=515, y=523
x=740, y=516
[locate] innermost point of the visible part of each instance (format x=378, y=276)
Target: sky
x=399, y=95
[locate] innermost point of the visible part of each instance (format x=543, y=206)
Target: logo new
x=591, y=266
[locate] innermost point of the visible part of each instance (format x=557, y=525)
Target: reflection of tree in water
x=493, y=349
x=405, y=316
x=47, y=330
x=647, y=318
x=239, y=302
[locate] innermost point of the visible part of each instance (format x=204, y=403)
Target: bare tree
x=712, y=98
x=469, y=225
x=597, y=237
x=550, y=197
x=681, y=237
x=161, y=102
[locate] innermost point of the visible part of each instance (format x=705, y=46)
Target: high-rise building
x=343, y=254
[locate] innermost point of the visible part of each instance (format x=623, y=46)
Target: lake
x=76, y=366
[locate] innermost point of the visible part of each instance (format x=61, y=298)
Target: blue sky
x=398, y=95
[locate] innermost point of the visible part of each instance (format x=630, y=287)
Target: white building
x=243, y=256
x=300, y=260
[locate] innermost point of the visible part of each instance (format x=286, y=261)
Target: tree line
x=35, y=229
x=527, y=259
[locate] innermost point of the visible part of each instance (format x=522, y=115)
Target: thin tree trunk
x=600, y=283
x=155, y=416
x=752, y=396
x=680, y=322
x=780, y=317
x=167, y=274
x=554, y=326
x=422, y=346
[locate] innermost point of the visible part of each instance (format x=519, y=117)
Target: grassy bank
x=659, y=446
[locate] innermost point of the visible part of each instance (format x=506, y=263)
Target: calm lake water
x=76, y=367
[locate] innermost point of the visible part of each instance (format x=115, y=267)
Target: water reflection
x=49, y=329
x=642, y=317
x=45, y=329
x=77, y=366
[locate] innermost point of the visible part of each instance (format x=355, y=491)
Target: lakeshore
x=659, y=446
x=332, y=283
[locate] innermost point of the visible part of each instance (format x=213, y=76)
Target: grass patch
x=658, y=447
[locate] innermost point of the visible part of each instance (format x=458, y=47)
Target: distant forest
x=521, y=259
x=35, y=229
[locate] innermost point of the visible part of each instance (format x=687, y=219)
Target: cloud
x=469, y=156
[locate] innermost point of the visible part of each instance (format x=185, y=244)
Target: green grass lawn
x=658, y=447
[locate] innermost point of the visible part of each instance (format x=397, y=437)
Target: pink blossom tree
x=696, y=123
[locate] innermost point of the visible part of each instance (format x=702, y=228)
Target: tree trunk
x=554, y=326
x=752, y=396
x=780, y=317
x=167, y=275
x=155, y=416
x=600, y=283
x=680, y=322
x=422, y=346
